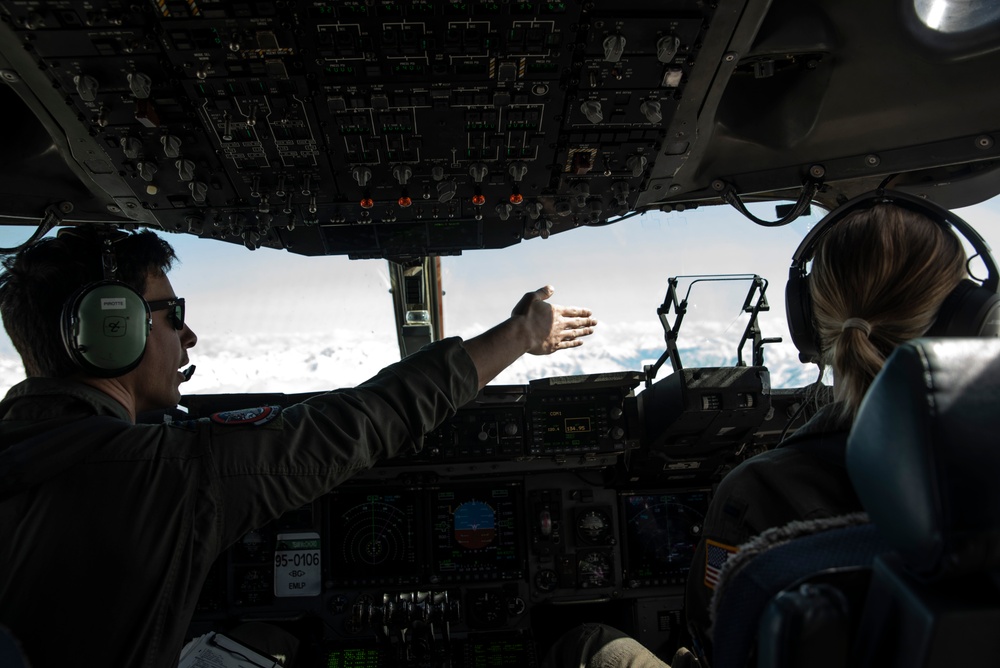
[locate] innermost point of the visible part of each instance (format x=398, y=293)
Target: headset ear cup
x=104, y=328
x=798, y=311
x=968, y=310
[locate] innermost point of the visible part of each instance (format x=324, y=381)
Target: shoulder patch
x=247, y=416
x=716, y=556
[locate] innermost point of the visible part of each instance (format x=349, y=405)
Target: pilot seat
x=915, y=582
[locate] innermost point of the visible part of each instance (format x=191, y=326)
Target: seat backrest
x=924, y=455
x=924, y=458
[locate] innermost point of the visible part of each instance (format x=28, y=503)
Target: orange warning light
x=367, y=203
x=404, y=201
x=516, y=198
x=478, y=199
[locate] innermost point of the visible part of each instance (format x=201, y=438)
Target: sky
x=271, y=321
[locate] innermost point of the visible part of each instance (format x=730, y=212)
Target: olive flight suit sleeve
x=269, y=460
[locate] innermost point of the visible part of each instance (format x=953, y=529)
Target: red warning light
x=404, y=201
x=516, y=198
x=367, y=203
x=478, y=199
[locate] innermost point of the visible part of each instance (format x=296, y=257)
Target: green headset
x=105, y=324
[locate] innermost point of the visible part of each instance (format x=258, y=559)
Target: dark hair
x=38, y=281
x=890, y=267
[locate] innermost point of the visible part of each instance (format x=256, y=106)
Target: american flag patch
x=716, y=555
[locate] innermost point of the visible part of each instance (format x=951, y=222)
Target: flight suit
x=803, y=478
x=107, y=540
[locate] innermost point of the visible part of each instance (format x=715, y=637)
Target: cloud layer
x=292, y=363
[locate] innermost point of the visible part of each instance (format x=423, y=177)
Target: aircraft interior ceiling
x=410, y=129
x=373, y=128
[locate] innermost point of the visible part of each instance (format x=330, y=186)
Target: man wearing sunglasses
x=110, y=527
x=174, y=308
x=40, y=284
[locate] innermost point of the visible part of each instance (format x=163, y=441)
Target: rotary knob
x=86, y=87
x=591, y=109
x=446, y=190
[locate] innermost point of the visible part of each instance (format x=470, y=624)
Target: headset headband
x=807, y=247
x=971, y=309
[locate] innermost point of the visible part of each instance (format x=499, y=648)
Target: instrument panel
x=484, y=559
x=483, y=544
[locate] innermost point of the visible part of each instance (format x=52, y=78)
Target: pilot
x=886, y=268
x=110, y=527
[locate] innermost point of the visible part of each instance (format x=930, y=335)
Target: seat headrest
x=924, y=455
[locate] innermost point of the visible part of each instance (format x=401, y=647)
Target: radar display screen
x=474, y=534
x=661, y=533
x=373, y=537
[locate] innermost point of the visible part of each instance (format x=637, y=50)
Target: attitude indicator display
x=474, y=533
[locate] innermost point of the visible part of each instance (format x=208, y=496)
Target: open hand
x=552, y=327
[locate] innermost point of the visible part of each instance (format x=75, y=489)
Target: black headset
x=105, y=324
x=971, y=309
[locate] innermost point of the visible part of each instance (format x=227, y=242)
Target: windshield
x=270, y=321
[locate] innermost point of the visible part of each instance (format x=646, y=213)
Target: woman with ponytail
x=879, y=277
x=882, y=274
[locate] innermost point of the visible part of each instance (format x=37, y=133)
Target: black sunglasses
x=176, y=306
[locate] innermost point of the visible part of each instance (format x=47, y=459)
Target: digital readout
x=571, y=427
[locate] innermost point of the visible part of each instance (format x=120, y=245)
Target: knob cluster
x=401, y=609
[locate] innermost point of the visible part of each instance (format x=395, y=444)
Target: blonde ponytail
x=877, y=280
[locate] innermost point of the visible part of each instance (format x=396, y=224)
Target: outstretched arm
x=535, y=327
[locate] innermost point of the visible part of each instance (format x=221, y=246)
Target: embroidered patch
x=247, y=416
x=716, y=555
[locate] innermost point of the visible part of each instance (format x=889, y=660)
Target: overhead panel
x=369, y=129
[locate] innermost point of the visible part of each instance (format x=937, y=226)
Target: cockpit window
x=957, y=16
x=621, y=271
x=271, y=321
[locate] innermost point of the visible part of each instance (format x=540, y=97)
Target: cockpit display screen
x=661, y=533
x=502, y=652
x=474, y=533
x=576, y=414
x=373, y=537
x=568, y=427
x=496, y=653
x=361, y=657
